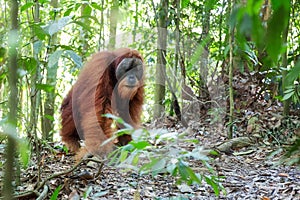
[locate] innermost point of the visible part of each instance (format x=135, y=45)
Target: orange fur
x=96, y=92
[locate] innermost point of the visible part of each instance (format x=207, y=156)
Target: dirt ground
x=249, y=173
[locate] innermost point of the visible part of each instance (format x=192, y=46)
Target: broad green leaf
x=87, y=10
x=58, y=25
x=75, y=57
x=97, y=6
x=146, y=168
x=123, y=156
x=39, y=32
x=135, y=159
x=140, y=145
x=293, y=74
x=37, y=47
x=128, y=147
x=192, y=175
x=184, y=3
x=68, y=11
x=50, y=117
x=172, y=169
x=182, y=169
x=45, y=87
x=210, y=181
x=83, y=25
x=288, y=95
x=276, y=26
x=53, y=58
x=26, y=6
x=159, y=166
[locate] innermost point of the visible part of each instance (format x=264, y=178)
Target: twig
x=99, y=170
x=36, y=193
x=43, y=195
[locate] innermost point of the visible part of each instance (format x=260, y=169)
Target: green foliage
x=276, y=25
x=292, y=85
x=87, y=192
x=161, y=152
x=55, y=193
x=291, y=156
x=23, y=150
x=54, y=27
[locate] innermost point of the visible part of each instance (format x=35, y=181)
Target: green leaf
x=193, y=176
x=293, y=74
x=58, y=25
x=172, y=169
x=140, y=145
x=87, y=10
x=182, y=169
x=55, y=193
x=83, y=25
x=97, y=6
x=123, y=156
x=146, y=168
x=213, y=184
x=75, y=57
x=197, y=55
x=276, y=26
x=118, y=120
x=288, y=95
x=39, y=32
x=37, y=47
x=184, y=3
x=53, y=58
x=24, y=151
x=135, y=159
x=50, y=117
x=159, y=166
x=26, y=6
x=45, y=87
x=87, y=192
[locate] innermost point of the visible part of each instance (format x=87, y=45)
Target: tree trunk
x=286, y=103
x=114, y=13
x=49, y=104
x=11, y=128
x=205, y=53
x=160, y=73
x=101, y=28
x=230, y=75
x=136, y=20
x=35, y=94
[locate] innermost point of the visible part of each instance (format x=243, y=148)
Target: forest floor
x=249, y=173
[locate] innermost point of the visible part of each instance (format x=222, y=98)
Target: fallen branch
x=233, y=143
x=44, y=193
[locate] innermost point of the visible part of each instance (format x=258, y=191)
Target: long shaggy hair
x=102, y=87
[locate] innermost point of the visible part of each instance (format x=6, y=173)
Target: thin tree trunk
x=114, y=13
x=35, y=96
x=231, y=100
x=101, y=28
x=136, y=20
x=13, y=102
x=160, y=73
x=205, y=53
x=34, y=92
x=286, y=103
x=49, y=104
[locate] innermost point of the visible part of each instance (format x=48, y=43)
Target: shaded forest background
x=219, y=61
